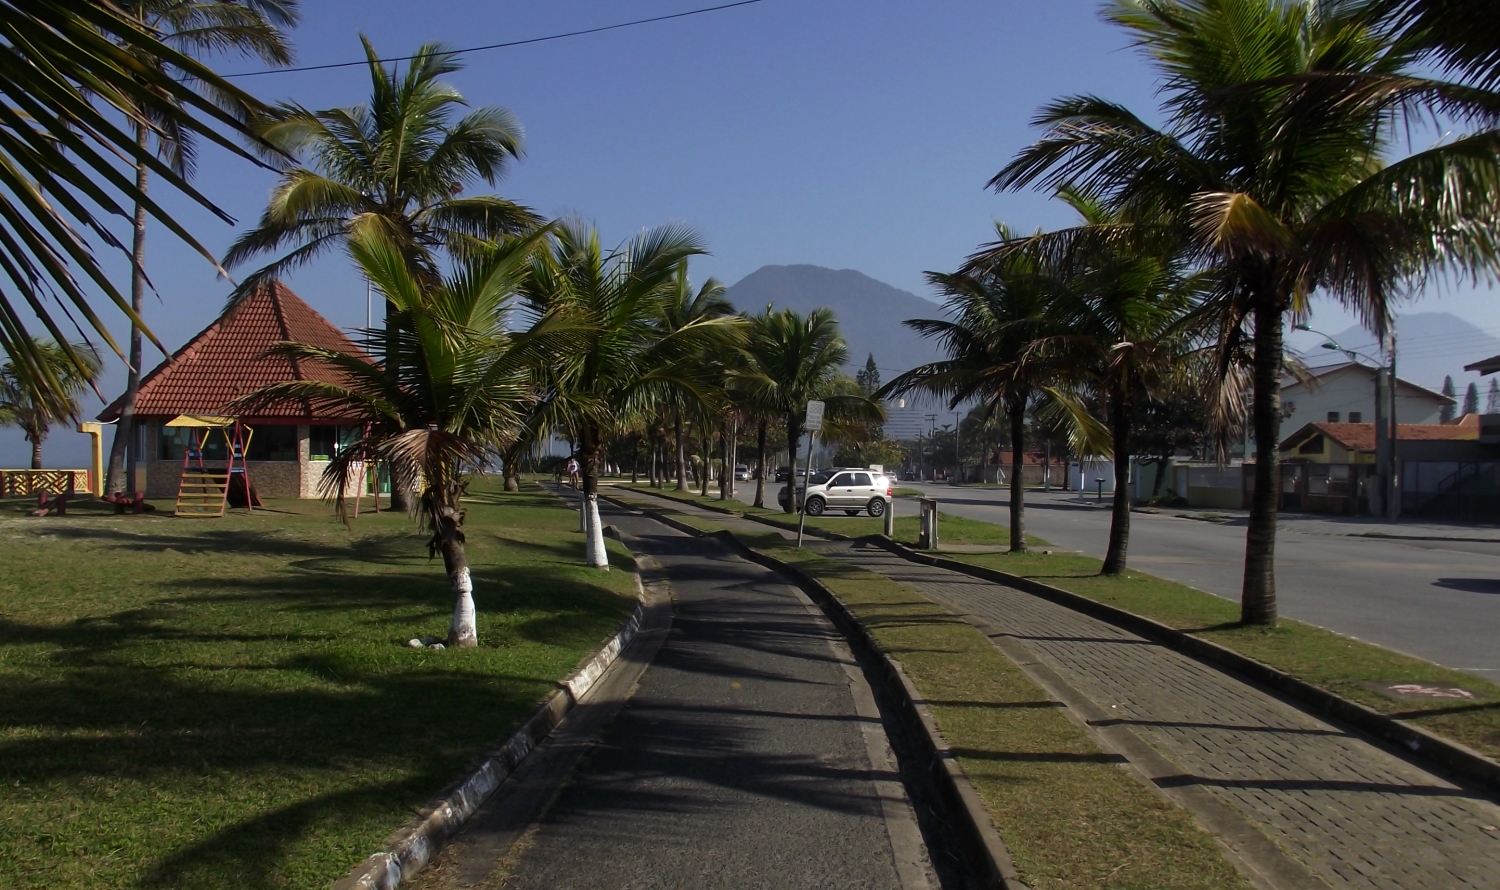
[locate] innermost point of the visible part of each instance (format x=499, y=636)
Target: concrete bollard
x=890, y=518
x=927, y=524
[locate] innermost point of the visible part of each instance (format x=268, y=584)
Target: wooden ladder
x=204, y=493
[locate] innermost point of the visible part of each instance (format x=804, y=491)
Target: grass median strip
x=1070, y=815
x=228, y=703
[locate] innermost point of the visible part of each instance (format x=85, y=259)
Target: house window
x=1355, y=416
x=326, y=442
x=172, y=443
x=273, y=442
x=1333, y=417
x=1312, y=446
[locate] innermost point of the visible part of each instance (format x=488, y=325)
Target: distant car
x=854, y=490
x=783, y=474
x=741, y=473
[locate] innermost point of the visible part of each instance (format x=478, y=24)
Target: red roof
x=1361, y=436
x=228, y=359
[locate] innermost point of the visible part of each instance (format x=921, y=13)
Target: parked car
x=741, y=473
x=854, y=490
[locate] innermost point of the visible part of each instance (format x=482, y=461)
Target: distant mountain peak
x=870, y=312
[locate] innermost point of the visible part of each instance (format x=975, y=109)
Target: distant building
x=290, y=445
x=1345, y=393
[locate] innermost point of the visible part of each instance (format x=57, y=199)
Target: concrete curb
x=986, y=848
x=410, y=849
x=1453, y=757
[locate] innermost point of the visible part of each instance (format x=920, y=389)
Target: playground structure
x=205, y=490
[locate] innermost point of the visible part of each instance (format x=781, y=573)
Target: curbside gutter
x=987, y=849
x=409, y=849
x=1453, y=757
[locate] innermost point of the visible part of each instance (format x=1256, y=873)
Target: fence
x=24, y=483
x=1468, y=490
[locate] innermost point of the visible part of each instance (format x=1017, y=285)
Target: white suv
x=853, y=490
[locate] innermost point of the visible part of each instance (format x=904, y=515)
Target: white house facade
x=1345, y=393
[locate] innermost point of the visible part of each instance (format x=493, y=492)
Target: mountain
x=870, y=312
x=1429, y=346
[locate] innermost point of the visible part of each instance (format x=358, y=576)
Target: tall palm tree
x=1124, y=329
x=796, y=359
x=683, y=307
x=628, y=365
x=398, y=164
x=195, y=27
x=460, y=391
x=35, y=412
x=72, y=69
x=995, y=312
x=1281, y=195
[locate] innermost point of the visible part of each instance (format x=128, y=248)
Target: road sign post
x=812, y=424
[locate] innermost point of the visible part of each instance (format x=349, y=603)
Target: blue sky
x=845, y=133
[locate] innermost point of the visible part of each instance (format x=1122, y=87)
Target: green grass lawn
x=1073, y=820
x=229, y=703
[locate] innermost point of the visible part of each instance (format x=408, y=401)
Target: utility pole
x=932, y=440
x=1393, y=492
x=958, y=455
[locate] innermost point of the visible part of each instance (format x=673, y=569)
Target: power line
x=475, y=49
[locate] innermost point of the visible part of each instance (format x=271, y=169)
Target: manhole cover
x=1422, y=692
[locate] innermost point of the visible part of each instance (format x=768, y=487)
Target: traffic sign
x=814, y=421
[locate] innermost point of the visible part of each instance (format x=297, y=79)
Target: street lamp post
x=1386, y=465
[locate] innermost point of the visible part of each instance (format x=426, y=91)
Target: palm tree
x=628, y=365
x=194, y=27
x=35, y=412
x=397, y=164
x=1124, y=330
x=684, y=307
x=995, y=312
x=78, y=70
x=796, y=358
x=460, y=390
x=1282, y=195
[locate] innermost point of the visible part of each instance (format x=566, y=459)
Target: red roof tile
x=228, y=359
x=1361, y=436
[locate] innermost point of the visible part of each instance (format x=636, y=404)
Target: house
x=289, y=446
x=1327, y=468
x=1345, y=393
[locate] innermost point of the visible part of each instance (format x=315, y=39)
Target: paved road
x=1439, y=600
x=750, y=755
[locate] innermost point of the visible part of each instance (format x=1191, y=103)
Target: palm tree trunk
x=447, y=521
x=1119, y=522
x=760, y=465
x=681, y=453
x=36, y=449
x=1017, y=408
x=591, y=451
x=635, y=460
x=707, y=453
x=793, y=501
x=122, y=456
x=1258, y=595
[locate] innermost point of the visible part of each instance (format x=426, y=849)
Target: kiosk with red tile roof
x=291, y=444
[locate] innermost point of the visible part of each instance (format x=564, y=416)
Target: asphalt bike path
x=750, y=754
x=1297, y=801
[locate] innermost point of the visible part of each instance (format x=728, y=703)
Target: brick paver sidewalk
x=1356, y=815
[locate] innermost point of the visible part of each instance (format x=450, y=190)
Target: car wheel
x=852, y=512
x=815, y=507
x=876, y=507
